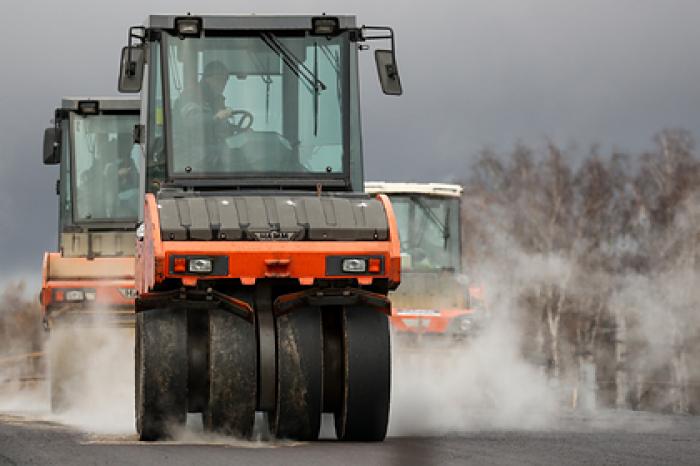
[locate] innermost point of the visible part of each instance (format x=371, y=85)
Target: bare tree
x=607, y=218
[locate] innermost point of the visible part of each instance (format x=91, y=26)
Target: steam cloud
x=100, y=389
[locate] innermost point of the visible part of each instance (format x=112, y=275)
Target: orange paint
x=77, y=273
x=435, y=324
x=253, y=260
x=180, y=265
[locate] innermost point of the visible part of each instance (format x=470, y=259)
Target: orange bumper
x=105, y=281
x=430, y=321
x=305, y=261
x=104, y=302
x=103, y=293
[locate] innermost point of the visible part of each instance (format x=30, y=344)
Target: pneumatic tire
x=363, y=414
x=232, y=375
x=161, y=373
x=297, y=414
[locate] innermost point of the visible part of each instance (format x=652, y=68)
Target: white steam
x=485, y=382
x=98, y=366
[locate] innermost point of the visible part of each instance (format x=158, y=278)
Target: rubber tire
x=299, y=402
x=363, y=414
x=232, y=375
x=161, y=373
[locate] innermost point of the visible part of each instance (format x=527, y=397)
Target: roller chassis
x=273, y=338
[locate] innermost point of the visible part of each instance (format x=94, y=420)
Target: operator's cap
x=215, y=68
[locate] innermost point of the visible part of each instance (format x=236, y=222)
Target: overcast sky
x=475, y=73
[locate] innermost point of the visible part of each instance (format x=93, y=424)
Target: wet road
x=610, y=438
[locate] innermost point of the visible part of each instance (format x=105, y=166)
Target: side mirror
x=388, y=72
x=131, y=69
x=52, y=144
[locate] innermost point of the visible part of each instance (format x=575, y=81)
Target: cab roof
x=247, y=22
x=111, y=103
x=433, y=189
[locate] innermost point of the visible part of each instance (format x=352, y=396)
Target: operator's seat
x=264, y=152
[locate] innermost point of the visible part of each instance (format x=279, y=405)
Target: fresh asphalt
x=618, y=438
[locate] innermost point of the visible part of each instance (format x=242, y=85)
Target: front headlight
x=74, y=295
x=201, y=265
x=465, y=324
x=128, y=293
x=354, y=265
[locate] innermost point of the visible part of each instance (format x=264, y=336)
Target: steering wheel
x=244, y=122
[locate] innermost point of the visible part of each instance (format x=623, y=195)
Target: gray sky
x=475, y=73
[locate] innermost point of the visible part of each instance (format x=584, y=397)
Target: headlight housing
x=325, y=25
x=354, y=265
x=465, y=324
x=201, y=265
x=128, y=293
x=74, y=295
x=188, y=26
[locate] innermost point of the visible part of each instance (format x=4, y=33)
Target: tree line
x=603, y=253
x=21, y=334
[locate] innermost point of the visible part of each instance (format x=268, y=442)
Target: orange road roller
x=90, y=279
x=263, y=269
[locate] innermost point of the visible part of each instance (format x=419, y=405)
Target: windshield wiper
x=334, y=61
x=300, y=70
x=446, y=234
x=444, y=227
x=315, y=93
x=294, y=64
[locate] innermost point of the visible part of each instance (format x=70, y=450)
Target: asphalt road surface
x=608, y=438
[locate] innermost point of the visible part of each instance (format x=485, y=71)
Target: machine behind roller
x=90, y=280
x=435, y=299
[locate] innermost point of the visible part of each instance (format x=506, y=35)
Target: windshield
x=258, y=105
x=106, y=183
x=429, y=232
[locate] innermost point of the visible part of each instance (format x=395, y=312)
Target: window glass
x=156, y=159
x=106, y=168
x=429, y=231
x=286, y=95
